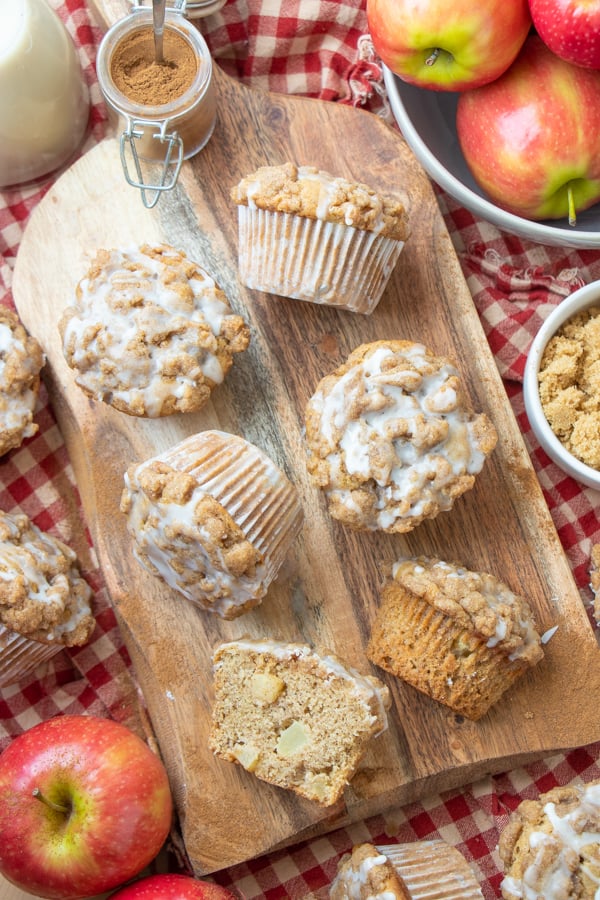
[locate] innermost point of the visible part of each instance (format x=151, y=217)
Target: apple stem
x=55, y=806
x=432, y=56
x=571, y=202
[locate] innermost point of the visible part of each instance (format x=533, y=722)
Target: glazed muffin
x=461, y=637
x=422, y=870
x=45, y=604
x=306, y=234
x=150, y=332
x=293, y=717
x=392, y=439
x=214, y=517
x=365, y=874
x=551, y=846
x=21, y=360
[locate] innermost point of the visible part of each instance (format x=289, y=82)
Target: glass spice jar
x=166, y=110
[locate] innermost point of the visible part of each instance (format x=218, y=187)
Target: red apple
x=532, y=137
x=448, y=45
x=85, y=805
x=172, y=887
x=570, y=28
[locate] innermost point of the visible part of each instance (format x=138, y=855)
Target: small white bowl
x=580, y=300
x=427, y=121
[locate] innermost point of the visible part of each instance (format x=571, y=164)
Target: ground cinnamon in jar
x=138, y=76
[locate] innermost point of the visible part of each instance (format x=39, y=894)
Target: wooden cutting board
x=327, y=593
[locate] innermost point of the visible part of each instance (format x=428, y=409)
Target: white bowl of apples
x=478, y=90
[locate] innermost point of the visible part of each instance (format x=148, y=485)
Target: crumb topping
x=21, y=360
x=477, y=601
x=569, y=385
x=367, y=874
x=150, y=332
x=391, y=439
x=42, y=594
x=213, y=517
x=307, y=191
x=551, y=846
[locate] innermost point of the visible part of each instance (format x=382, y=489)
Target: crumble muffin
x=214, y=517
x=150, y=332
x=461, y=637
x=366, y=874
x=392, y=439
x=45, y=604
x=551, y=846
x=293, y=717
x=21, y=360
x=306, y=234
x=425, y=870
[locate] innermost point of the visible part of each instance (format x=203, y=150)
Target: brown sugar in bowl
x=562, y=452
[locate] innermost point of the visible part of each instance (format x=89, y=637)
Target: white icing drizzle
x=249, y=486
x=330, y=188
x=16, y=409
x=39, y=560
x=354, y=879
x=133, y=321
x=496, y=594
x=394, y=407
x=555, y=882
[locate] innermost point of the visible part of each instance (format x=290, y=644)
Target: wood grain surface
x=327, y=593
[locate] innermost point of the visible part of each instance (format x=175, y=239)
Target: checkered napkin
x=318, y=48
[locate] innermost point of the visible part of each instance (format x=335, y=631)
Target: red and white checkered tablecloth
x=318, y=48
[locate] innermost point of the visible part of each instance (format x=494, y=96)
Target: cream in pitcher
x=44, y=102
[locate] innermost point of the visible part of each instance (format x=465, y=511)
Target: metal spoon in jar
x=158, y=21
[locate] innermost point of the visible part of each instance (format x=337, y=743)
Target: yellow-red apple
x=85, y=805
x=448, y=45
x=532, y=137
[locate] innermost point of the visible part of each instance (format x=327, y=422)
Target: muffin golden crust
x=314, y=194
x=391, y=437
x=461, y=637
x=213, y=517
x=21, y=360
x=42, y=594
x=367, y=874
x=150, y=332
x=550, y=848
x=293, y=717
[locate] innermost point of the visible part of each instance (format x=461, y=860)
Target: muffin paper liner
x=432, y=635
x=20, y=655
x=308, y=259
x=433, y=870
x=248, y=484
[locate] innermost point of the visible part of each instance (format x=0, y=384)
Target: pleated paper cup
x=481, y=676
x=433, y=870
x=19, y=655
x=258, y=497
x=328, y=263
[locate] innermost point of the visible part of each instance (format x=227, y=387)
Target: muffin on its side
x=21, y=360
x=214, y=517
x=423, y=870
x=45, y=604
x=150, y=332
x=461, y=637
x=392, y=439
x=294, y=718
x=306, y=234
x=551, y=846
x=366, y=874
